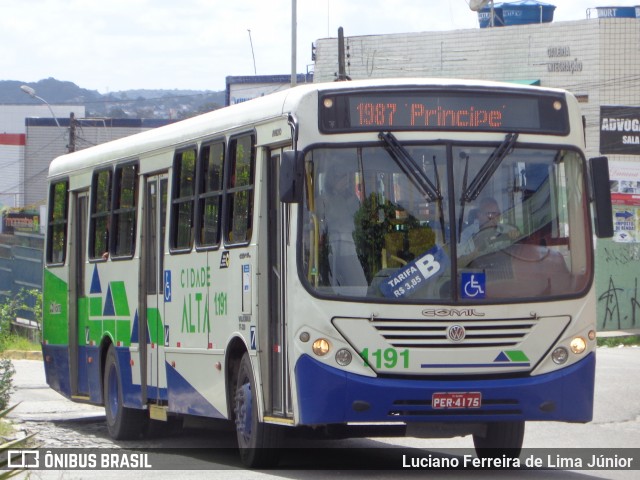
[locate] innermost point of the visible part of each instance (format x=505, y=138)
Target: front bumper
x=328, y=395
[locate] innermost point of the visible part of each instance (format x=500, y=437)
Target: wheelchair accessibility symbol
x=167, y=285
x=473, y=285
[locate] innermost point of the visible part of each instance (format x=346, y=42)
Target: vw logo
x=456, y=333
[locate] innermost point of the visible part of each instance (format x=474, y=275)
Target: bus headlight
x=578, y=345
x=560, y=355
x=321, y=347
x=343, y=357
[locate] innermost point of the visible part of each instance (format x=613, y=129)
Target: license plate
x=443, y=400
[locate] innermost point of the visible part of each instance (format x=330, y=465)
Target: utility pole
x=294, y=53
x=72, y=133
x=342, y=69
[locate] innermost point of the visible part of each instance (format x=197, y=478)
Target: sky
x=113, y=45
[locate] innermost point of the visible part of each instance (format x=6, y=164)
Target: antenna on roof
x=255, y=71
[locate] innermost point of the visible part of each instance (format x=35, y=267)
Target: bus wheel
x=258, y=442
x=123, y=423
x=501, y=438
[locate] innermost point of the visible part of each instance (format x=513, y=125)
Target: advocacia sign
x=620, y=130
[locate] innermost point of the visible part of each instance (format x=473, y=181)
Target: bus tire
x=501, y=438
x=123, y=423
x=258, y=442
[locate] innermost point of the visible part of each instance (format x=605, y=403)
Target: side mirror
x=291, y=176
x=603, y=214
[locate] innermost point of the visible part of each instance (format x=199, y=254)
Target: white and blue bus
x=413, y=253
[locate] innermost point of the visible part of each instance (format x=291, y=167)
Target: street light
x=32, y=93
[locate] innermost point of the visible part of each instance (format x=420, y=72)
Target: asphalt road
x=211, y=452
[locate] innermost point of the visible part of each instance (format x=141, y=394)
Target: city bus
x=302, y=261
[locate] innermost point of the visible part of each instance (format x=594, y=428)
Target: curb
x=22, y=355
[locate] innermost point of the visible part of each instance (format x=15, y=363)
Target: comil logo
x=456, y=333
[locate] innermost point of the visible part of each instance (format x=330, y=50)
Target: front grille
x=433, y=333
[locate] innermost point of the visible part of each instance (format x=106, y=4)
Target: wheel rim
x=112, y=393
x=244, y=412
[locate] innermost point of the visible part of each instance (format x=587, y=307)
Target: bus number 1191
x=387, y=358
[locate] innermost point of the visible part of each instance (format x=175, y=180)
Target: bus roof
x=251, y=112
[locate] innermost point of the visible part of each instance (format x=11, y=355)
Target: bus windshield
x=445, y=222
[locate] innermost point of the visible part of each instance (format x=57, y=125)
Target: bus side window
x=184, y=168
x=242, y=155
x=210, y=194
x=126, y=182
x=57, y=224
x=100, y=215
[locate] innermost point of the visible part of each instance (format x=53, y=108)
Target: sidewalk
x=23, y=355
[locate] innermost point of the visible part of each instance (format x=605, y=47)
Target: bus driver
x=486, y=233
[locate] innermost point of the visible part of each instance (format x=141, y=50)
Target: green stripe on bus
x=517, y=356
x=95, y=307
x=95, y=331
x=54, y=310
x=120, y=302
x=156, y=329
x=83, y=319
x=123, y=332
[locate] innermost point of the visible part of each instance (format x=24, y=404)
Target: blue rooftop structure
x=521, y=12
x=616, y=12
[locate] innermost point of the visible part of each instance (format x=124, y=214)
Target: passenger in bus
x=472, y=218
x=336, y=208
x=485, y=234
x=105, y=240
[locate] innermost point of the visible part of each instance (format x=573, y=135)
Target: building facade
x=13, y=141
x=596, y=59
x=25, y=155
x=45, y=141
x=242, y=88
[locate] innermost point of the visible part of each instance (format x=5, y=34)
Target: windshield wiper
x=410, y=167
x=488, y=169
x=470, y=193
x=412, y=170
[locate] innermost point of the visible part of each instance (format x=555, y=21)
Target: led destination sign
x=468, y=111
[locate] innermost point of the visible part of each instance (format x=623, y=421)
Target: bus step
x=81, y=398
x=279, y=420
x=158, y=412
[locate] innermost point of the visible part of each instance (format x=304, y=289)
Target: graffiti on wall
x=618, y=286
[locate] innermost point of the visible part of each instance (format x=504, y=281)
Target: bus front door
x=278, y=241
x=151, y=322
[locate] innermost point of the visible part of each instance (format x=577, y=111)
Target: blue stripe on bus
x=475, y=365
x=83, y=370
x=57, y=371
x=131, y=393
x=57, y=375
x=184, y=398
x=94, y=374
x=329, y=395
x=155, y=393
x=56, y=368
